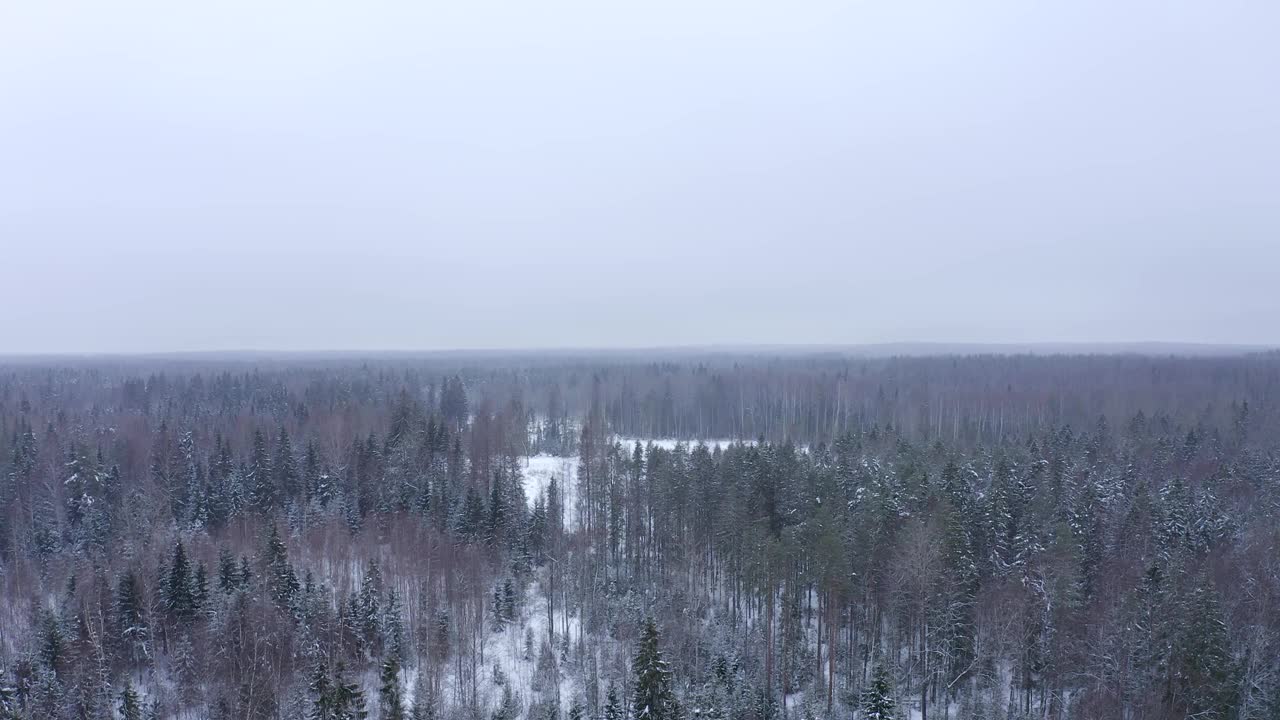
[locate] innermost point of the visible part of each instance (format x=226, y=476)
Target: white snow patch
x=671, y=443
x=538, y=472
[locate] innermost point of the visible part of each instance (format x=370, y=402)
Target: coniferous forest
x=677, y=536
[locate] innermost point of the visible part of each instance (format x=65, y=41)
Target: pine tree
x=367, y=608
x=281, y=579
x=184, y=670
x=246, y=573
x=131, y=626
x=472, y=521
x=612, y=708
x=453, y=401
x=424, y=700
x=321, y=690
x=390, y=699
x=877, y=700
x=200, y=588
x=179, y=588
x=496, y=616
x=287, y=481
x=228, y=574
x=53, y=643
x=508, y=600
x=509, y=707
x=348, y=699
x=130, y=706
x=653, y=698
x=1205, y=675
x=391, y=625
x=263, y=493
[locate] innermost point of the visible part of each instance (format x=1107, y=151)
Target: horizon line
x=887, y=348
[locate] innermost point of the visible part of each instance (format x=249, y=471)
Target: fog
x=483, y=174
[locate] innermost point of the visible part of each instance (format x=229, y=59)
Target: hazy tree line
x=343, y=540
x=963, y=400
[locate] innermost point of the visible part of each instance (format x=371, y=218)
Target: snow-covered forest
x=556, y=537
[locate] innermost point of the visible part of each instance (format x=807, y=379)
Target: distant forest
x=697, y=536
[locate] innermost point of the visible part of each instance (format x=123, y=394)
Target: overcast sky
x=243, y=174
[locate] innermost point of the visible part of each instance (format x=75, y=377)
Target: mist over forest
x=673, y=535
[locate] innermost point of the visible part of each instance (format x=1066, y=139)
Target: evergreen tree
x=263, y=493
x=496, y=523
x=424, y=700
x=246, y=573
x=228, y=573
x=391, y=625
x=287, y=480
x=130, y=706
x=367, y=608
x=53, y=643
x=453, y=401
x=509, y=707
x=200, y=588
x=281, y=579
x=653, y=698
x=131, y=626
x=348, y=699
x=184, y=669
x=877, y=700
x=390, y=699
x=1205, y=678
x=321, y=690
x=508, y=600
x=612, y=708
x=179, y=588
x=472, y=521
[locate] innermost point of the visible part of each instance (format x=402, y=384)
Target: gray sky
x=244, y=174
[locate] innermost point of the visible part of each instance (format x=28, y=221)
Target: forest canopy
x=630, y=537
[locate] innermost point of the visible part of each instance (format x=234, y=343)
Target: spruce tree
x=287, y=481
x=508, y=600
x=509, y=707
x=263, y=493
x=53, y=647
x=246, y=573
x=200, y=588
x=179, y=588
x=130, y=706
x=424, y=700
x=348, y=699
x=1206, y=680
x=877, y=700
x=612, y=708
x=228, y=575
x=496, y=523
x=472, y=522
x=131, y=626
x=390, y=699
x=321, y=690
x=653, y=698
x=281, y=579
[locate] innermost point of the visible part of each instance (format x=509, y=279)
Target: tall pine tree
x=653, y=698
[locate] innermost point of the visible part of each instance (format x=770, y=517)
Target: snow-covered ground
x=670, y=443
x=505, y=652
x=507, y=648
x=540, y=469
x=538, y=472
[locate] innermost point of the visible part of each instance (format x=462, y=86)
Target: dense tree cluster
x=949, y=537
